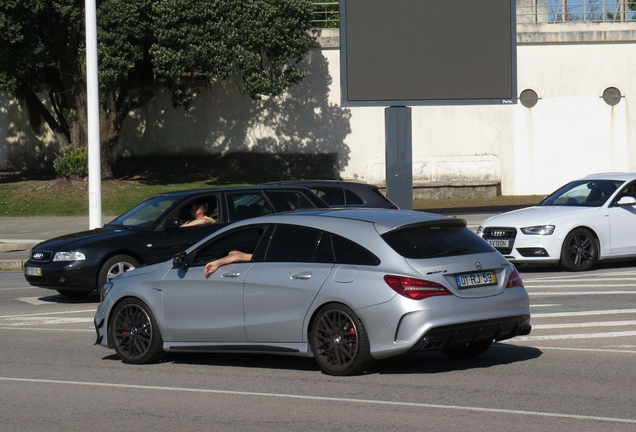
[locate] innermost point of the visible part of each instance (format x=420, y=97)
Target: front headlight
x=69, y=256
x=538, y=230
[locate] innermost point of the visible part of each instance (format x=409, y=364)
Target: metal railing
x=575, y=11
x=327, y=13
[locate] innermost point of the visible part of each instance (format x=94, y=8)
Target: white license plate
x=476, y=279
x=499, y=243
x=33, y=271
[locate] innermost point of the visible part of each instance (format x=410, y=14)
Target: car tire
x=339, y=341
x=135, y=334
x=579, y=251
x=73, y=294
x=468, y=350
x=114, y=267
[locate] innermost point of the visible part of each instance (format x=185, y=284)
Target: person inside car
x=232, y=257
x=199, y=213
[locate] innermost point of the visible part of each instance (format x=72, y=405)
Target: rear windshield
x=433, y=241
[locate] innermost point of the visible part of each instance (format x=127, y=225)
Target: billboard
x=428, y=52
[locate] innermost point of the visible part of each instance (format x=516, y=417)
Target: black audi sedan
x=152, y=231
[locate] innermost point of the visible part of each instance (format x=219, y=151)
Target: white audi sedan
x=587, y=220
x=344, y=286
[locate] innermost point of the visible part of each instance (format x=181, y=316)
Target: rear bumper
x=458, y=334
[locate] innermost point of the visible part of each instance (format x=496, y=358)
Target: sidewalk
x=18, y=235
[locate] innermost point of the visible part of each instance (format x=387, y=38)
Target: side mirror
x=180, y=260
x=172, y=223
x=627, y=201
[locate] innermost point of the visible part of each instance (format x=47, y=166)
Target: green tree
x=145, y=45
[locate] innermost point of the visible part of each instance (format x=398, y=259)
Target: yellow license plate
x=33, y=271
x=470, y=280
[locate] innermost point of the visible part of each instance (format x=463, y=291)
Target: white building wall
x=569, y=133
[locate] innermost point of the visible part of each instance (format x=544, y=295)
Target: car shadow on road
x=92, y=298
x=260, y=361
x=434, y=362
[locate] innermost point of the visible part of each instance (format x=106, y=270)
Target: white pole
x=94, y=151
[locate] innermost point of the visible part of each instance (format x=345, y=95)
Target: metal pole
x=92, y=104
x=399, y=156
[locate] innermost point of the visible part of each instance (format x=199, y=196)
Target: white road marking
x=330, y=399
x=35, y=301
x=546, y=305
x=22, y=321
x=582, y=313
x=548, y=286
x=576, y=336
x=15, y=288
x=587, y=324
x=510, y=344
x=48, y=329
x=579, y=293
x=586, y=282
x=585, y=276
x=47, y=313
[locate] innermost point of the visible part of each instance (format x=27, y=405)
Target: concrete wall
x=570, y=132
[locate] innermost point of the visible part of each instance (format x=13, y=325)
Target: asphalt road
x=575, y=371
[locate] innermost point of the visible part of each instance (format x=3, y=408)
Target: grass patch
x=70, y=198
x=41, y=194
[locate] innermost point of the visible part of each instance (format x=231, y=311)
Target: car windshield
x=435, y=240
x=585, y=193
x=145, y=214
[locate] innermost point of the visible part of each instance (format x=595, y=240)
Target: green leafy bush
x=71, y=163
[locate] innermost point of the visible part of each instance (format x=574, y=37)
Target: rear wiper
x=458, y=251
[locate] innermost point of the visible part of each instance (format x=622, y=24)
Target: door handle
x=231, y=274
x=301, y=275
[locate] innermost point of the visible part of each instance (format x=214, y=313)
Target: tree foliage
x=145, y=45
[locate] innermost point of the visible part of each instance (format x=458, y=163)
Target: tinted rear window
x=433, y=241
x=292, y=244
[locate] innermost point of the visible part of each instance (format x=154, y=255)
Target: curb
x=12, y=265
x=13, y=254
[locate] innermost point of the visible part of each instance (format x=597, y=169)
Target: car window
x=289, y=200
x=244, y=240
x=348, y=252
x=145, y=214
x=331, y=195
x=247, y=205
x=291, y=243
x=435, y=240
x=587, y=193
x=183, y=213
x=352, y=198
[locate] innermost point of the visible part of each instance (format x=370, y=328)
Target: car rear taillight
x=416, y=289
x=514, y=280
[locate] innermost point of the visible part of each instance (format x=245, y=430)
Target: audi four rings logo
x=498, y=233
x=38, y=255
x=478, y=265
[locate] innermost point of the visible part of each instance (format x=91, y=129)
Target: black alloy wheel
x=339, y=341
x=579, y=251
x=135, y=333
